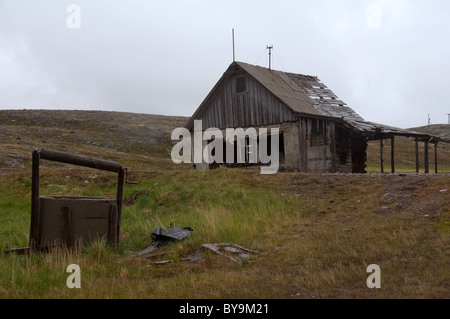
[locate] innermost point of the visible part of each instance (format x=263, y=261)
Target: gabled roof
x=303, y=94
x=307, y=95
x=283, y=87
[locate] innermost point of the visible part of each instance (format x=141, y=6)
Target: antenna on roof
x=270, y=47
x=232, y=35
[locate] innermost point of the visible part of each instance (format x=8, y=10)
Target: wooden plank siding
x=320, y=152
x=343, y=150
x=255, y=108
x=318, y=130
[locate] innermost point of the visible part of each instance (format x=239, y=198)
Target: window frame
x=237, y=85
x=318, y=133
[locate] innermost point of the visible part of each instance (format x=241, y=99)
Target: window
x=318, y=132
x=241, y=85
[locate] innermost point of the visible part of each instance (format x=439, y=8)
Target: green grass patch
x=317, y=234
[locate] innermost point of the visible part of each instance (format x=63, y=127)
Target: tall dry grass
x=317, y=233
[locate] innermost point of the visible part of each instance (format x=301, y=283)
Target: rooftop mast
x=232, y=35
x=270, y=47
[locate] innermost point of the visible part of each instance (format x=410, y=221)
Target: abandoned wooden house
x=318, y=132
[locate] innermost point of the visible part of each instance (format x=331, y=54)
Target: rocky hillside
x=102, y=134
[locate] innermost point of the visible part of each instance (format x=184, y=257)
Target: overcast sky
x=387, y=59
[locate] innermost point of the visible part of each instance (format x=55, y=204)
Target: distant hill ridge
x=95, y=133
x=442, y=130
x=134, y=137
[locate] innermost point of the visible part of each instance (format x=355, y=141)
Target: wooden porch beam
x=417, y=154
x=435, y=158
x=381, y=155
x=392, y=155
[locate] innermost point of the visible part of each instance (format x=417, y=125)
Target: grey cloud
x=164, y=57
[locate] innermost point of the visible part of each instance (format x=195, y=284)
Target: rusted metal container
x=77, y=220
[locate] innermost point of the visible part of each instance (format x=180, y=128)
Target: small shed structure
x=318, y=131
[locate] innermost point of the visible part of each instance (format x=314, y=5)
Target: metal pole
x=270, y=53
x=234, y=56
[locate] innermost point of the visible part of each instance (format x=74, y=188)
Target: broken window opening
x=318, y=132
x=251, y=151
x=241, y=85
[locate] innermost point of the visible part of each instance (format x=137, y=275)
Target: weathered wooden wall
x=291, y=146
x=310, y=143
x=359, y=153
x=256, y=107
x=343, y=150
x=319, y=154
x=350, y=151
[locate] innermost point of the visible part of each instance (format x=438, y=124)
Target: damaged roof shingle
x=305, y=94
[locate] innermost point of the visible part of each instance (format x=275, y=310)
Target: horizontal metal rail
x=80, y=160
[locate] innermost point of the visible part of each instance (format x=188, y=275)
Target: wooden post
x=381, y=155
x=34, y=226
x=66, y=227
x=392, y=155
x=120, y=199
x=112, y=233
x=333, y=146
x=302, y=142
x=426, y=158
x=435, y=158
x=417, y=155
x=325, y=147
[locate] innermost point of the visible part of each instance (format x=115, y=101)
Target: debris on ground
x=232, y=251
x=161, y=237
x=438, y=213
x=162, y=262
x=195, y=256
x=192, y=257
